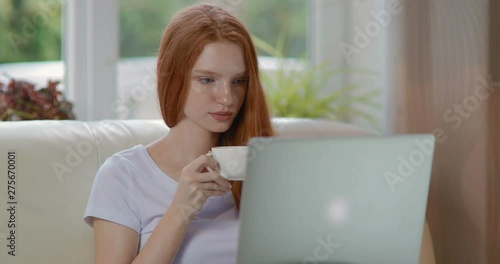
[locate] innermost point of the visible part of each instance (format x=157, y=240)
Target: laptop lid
x=335, y=200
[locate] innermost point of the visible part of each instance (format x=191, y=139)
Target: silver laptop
x=335, y=200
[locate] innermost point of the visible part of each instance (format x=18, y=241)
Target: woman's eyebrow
x=204, y=72
x=208, y=72
x=242, y=74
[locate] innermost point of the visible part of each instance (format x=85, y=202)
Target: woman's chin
x=219, y=130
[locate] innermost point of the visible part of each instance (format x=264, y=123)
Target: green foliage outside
x=267, y=19
x=299, y=89
x=142, y=22
x=31, y=30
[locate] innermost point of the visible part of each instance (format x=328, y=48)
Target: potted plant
x=296, y=89
x=20, y=100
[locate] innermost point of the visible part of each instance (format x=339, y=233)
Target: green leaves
x=19, y=100
x=297, y=89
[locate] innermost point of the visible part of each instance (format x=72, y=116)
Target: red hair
x=183, y=41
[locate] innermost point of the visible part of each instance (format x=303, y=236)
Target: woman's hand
x=196, y=185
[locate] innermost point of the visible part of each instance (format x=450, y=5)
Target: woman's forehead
x=224, y=58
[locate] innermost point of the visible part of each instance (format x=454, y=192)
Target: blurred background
x=114, y=44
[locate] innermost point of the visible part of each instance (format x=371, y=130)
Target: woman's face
x=217, y=87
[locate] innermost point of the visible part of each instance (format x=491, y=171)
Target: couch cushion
x=55, y=164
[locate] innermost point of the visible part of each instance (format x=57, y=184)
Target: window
x=142, y=24
x=110, y=47
x=30, y=48
x=30, y=30
x=268, y=19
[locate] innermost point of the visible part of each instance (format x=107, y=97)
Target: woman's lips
x=221, y=116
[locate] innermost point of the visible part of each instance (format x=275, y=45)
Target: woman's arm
x=114, y=243
x=166, y=239
x=118, y=244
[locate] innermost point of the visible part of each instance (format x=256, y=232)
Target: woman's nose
x=224, y=95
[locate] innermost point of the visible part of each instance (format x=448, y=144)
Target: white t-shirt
x=131, y=190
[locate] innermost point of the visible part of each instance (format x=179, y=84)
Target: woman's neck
x=184, y=143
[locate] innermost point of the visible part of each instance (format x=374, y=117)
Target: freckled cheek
x=202, y=94
x=198, y=89
x=196, y=108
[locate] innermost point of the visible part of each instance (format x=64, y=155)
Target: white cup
x=232, y=161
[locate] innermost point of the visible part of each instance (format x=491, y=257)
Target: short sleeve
x=111, y=197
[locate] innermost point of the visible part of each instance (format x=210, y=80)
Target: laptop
x=335, y=199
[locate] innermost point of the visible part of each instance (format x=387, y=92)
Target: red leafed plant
x=19, y=100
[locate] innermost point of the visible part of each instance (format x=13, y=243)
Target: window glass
x=142, y=22
x=30, y=30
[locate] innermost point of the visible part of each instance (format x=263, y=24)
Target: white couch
x=55, y=164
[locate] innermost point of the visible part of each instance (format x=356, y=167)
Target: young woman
x=166, y=202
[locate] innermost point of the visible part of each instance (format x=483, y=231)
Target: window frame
x=92, y=61
x=90, y=55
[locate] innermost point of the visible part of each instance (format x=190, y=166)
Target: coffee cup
x=232, y=161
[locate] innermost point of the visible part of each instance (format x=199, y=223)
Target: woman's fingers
x=213, y=176
x=216, y=193
x=212, y=186
x=202, y=162
x=205, y=169
x=198, y=181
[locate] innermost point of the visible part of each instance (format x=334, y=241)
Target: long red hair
x=183, y=41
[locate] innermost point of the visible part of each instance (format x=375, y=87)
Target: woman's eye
x=240, y=81
x=206, y=80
